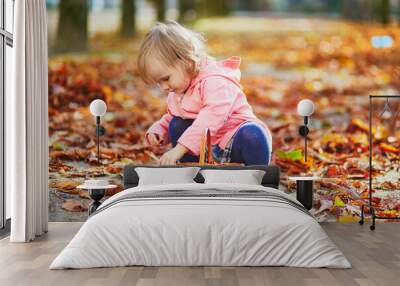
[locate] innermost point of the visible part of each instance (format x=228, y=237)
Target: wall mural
x=336, y=63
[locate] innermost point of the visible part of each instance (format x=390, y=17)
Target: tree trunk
x=384, y=10
x=222, y=7
x=72, y=29
x=210, y=8
x=367, y=9
x=351, y=9
x=160, y=8
x=345, y=9
x=398, y=12
x=128, y=23
x=186, y=10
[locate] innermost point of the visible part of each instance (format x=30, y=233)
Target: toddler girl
x=202, y=93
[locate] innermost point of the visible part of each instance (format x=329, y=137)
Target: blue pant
x=249, y=146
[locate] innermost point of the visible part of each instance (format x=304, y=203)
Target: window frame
x=6, y=39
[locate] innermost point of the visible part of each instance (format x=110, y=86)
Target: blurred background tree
x=160, y=9
x=253, y=5
x=128, y=18
x=74, y=21
x=385, y=12
x=211, y=8
x=367, y=10
x=72, y=31
x=186, y=11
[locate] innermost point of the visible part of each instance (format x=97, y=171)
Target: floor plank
x=374, y=255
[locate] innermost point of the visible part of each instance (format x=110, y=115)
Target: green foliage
x=291, y=155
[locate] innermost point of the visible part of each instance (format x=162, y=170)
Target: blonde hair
x=170, y=42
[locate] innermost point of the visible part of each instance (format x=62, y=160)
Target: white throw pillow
x=163, y=176
x=249, y=177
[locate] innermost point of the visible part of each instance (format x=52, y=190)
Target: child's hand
x=173, y=155
x=154, y=139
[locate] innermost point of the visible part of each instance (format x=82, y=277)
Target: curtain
x=27, y=123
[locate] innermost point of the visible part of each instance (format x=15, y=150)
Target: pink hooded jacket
x=216, y=101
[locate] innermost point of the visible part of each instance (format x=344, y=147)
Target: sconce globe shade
x=305, y=107
x=98, y=107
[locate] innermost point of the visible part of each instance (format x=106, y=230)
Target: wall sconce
x=305, y=108
x=98, y=108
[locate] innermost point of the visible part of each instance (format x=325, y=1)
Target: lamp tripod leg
x=361, y=222
x=305, y=148
x=372, y=227
x=98, y=149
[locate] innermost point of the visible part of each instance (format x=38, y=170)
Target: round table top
x=96, y=187
x=303, y=178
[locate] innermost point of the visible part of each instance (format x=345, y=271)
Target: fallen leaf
x=65, y=186
x=74, y=206
x=84, y=194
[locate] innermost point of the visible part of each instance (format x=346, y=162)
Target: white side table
x=304, y=191
x=96, y=193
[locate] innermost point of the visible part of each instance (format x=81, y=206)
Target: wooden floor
x=375, y=257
